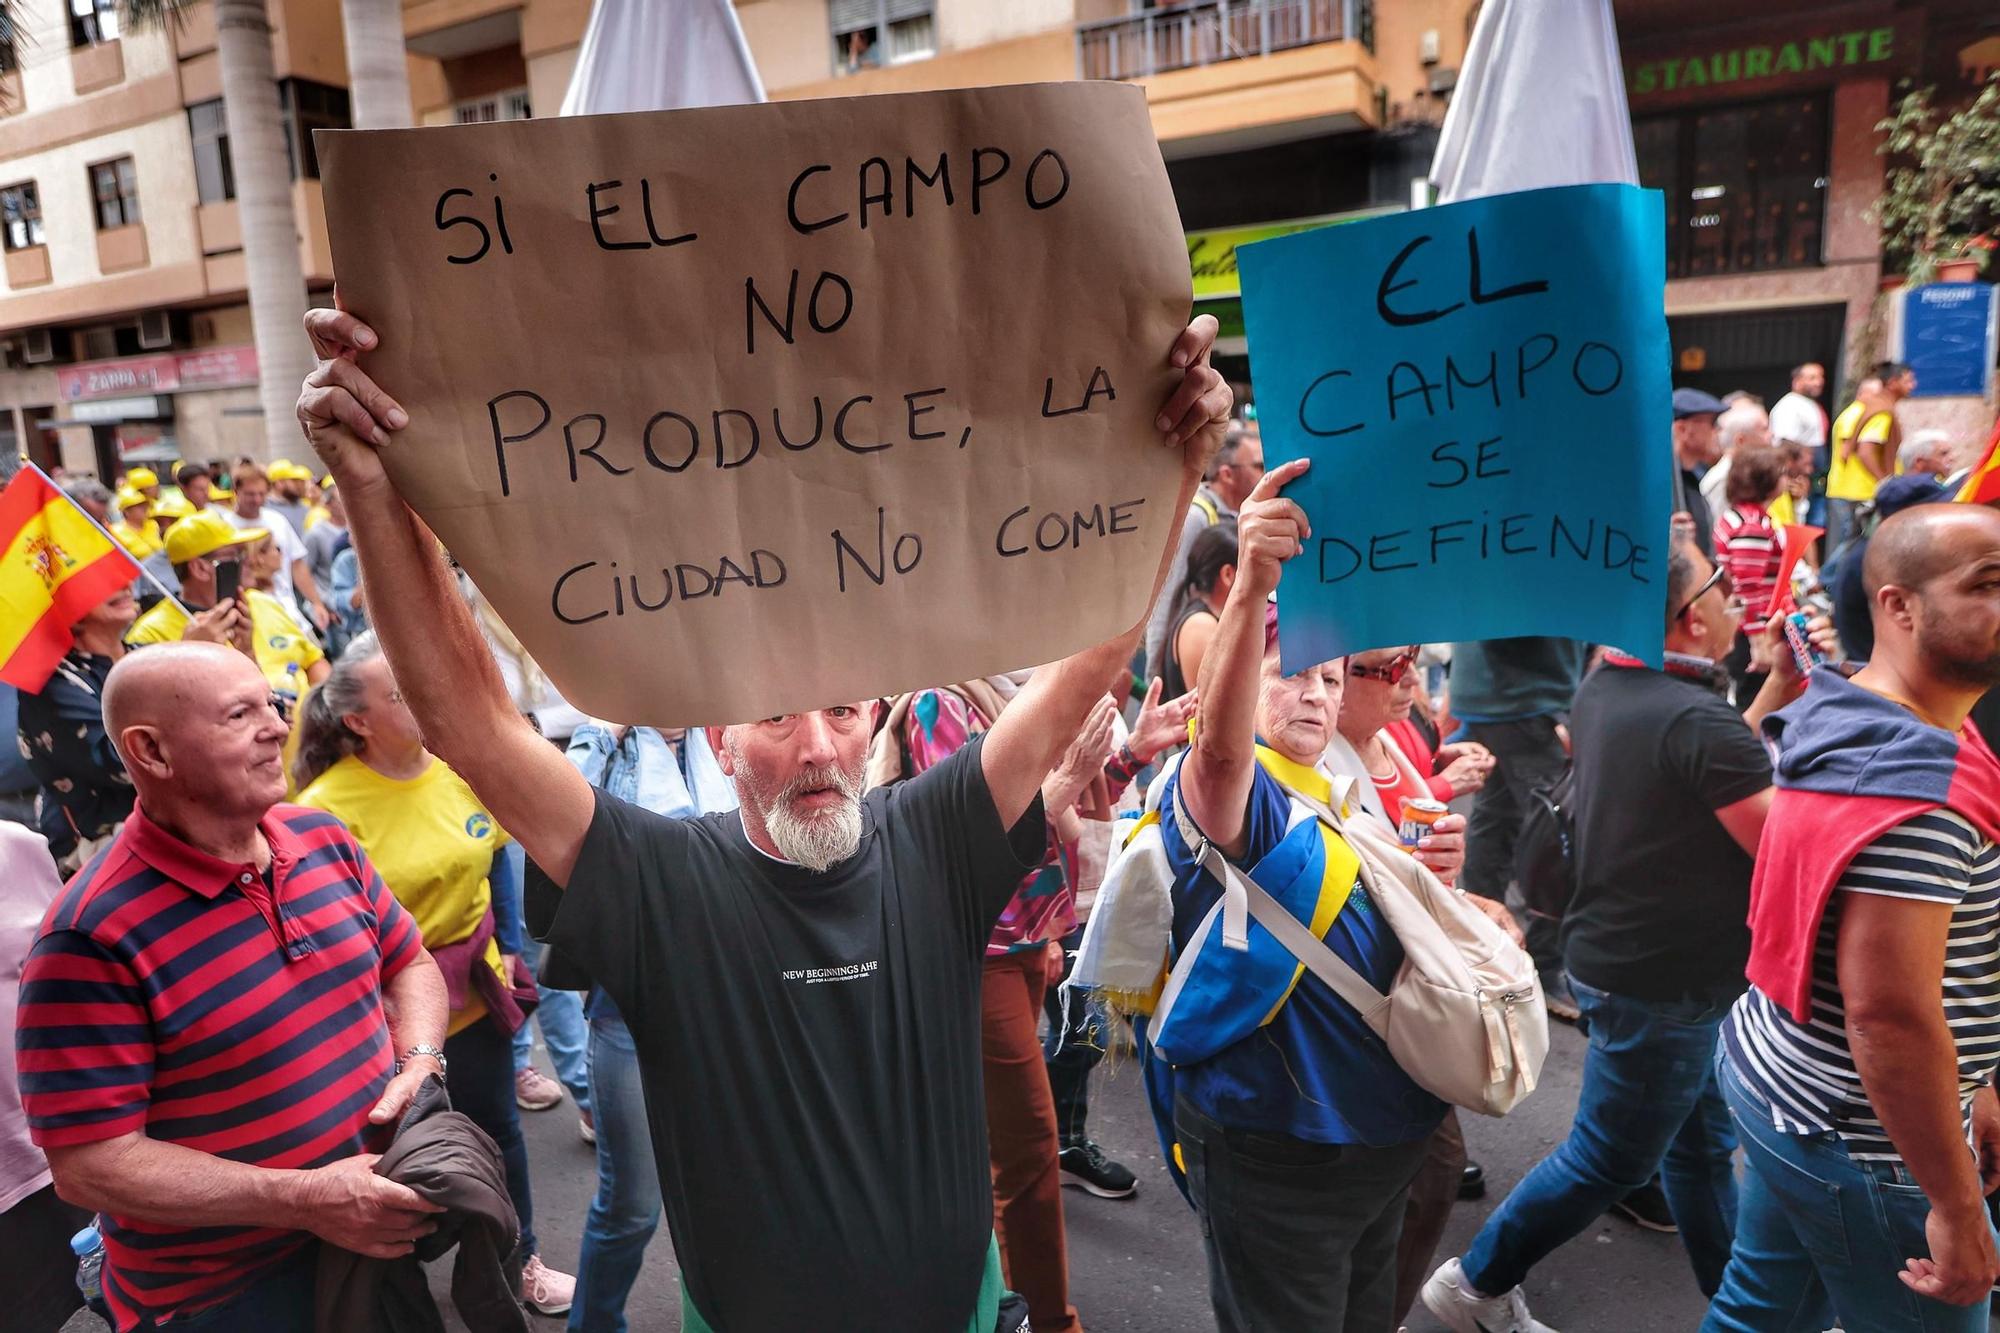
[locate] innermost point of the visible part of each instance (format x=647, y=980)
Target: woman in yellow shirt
x=361, y=759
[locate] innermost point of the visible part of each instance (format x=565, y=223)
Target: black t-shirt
x=809, y=1047
x=1663, y=892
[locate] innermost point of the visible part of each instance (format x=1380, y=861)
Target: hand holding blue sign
x=1270, y=530
x=1484, y=388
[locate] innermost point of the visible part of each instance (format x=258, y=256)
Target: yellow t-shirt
x=139, y=539
x=1781, y=511
x=284, y=651
x=433, y=844
x=1848, y=478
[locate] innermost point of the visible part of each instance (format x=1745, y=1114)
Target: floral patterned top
x=1043, y=908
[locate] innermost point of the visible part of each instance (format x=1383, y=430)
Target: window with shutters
x=214, y=174
x=20, y=216
x=307, y=106
x=114, y=185
x=868, y=33
x=92, y=21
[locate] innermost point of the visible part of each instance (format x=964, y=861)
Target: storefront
x=1761, y=134
x=148, y=409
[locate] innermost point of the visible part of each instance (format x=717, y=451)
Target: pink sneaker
x=545, y=1290
x=536, y=1091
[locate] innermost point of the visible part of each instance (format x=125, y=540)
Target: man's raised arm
x=1044, y=718
x=442, y=664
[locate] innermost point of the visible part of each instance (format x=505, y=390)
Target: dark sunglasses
x=1390, y=672
x=1721, y=577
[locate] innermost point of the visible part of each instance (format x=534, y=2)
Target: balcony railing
x=1183, y=37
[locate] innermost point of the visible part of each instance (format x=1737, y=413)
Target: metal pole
x=117, y=545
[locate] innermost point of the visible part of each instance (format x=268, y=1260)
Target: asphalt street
x=1137, y=1264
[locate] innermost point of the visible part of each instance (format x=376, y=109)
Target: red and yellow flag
x=55, y=565
x=1982, y=484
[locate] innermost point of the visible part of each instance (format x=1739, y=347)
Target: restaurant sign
x=1771, y=57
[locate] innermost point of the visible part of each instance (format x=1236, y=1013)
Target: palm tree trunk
x=378, y=77
x=269, y=222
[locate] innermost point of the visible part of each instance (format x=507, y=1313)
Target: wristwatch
x=423, y=1048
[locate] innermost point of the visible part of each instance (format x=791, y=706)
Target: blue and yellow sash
x=1221, y=994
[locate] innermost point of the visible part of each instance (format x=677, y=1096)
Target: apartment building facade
x=124, y=328
x=124, y=332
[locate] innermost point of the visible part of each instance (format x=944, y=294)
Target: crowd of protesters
x=328, y=856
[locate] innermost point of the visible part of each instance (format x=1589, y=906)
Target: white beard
x=819, y=841
x=822, y=841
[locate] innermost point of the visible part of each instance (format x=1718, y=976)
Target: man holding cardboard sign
x=802, y=981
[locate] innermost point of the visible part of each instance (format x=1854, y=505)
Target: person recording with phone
x=209, y=558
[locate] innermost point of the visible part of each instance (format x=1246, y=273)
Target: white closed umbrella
x=661, y=55
x=1540, y=102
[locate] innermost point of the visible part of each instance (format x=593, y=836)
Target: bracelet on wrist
x=424, y=1048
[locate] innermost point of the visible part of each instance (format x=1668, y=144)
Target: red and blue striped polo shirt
x=208, y=1005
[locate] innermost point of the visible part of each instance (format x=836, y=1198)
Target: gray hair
x=1921, y=445
x=324, y=736
x=87, y=488
x=1739, y=421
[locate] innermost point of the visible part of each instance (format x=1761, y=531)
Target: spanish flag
x=55, y=565
x=1982, y=484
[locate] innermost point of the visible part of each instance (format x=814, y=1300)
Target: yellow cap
x=206, y=532
x=171, y=506
x=141, y=477
x=127, y=497
x=326, y=482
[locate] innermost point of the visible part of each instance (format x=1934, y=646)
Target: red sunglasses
x=1390, y=672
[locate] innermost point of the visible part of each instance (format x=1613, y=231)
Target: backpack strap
x=1243, y=897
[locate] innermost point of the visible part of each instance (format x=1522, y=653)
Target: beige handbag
x=1464, y=1017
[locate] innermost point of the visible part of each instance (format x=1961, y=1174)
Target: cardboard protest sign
x=1483, y=389
x=745, y=410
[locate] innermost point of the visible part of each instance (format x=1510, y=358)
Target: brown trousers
x=1021, y=1138
x=1432, y=1194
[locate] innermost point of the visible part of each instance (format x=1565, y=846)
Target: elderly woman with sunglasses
x=1394, y=746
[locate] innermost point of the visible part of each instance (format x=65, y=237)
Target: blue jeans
x=1822, y=1237
x=563, y=1030
x=626, y=1210
x=1649, y=1103
x=1839, y=523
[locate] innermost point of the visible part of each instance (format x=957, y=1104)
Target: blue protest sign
x=1483, y=389
x=1946, y=335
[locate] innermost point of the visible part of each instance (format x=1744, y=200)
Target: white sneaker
x=1451, y=1298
